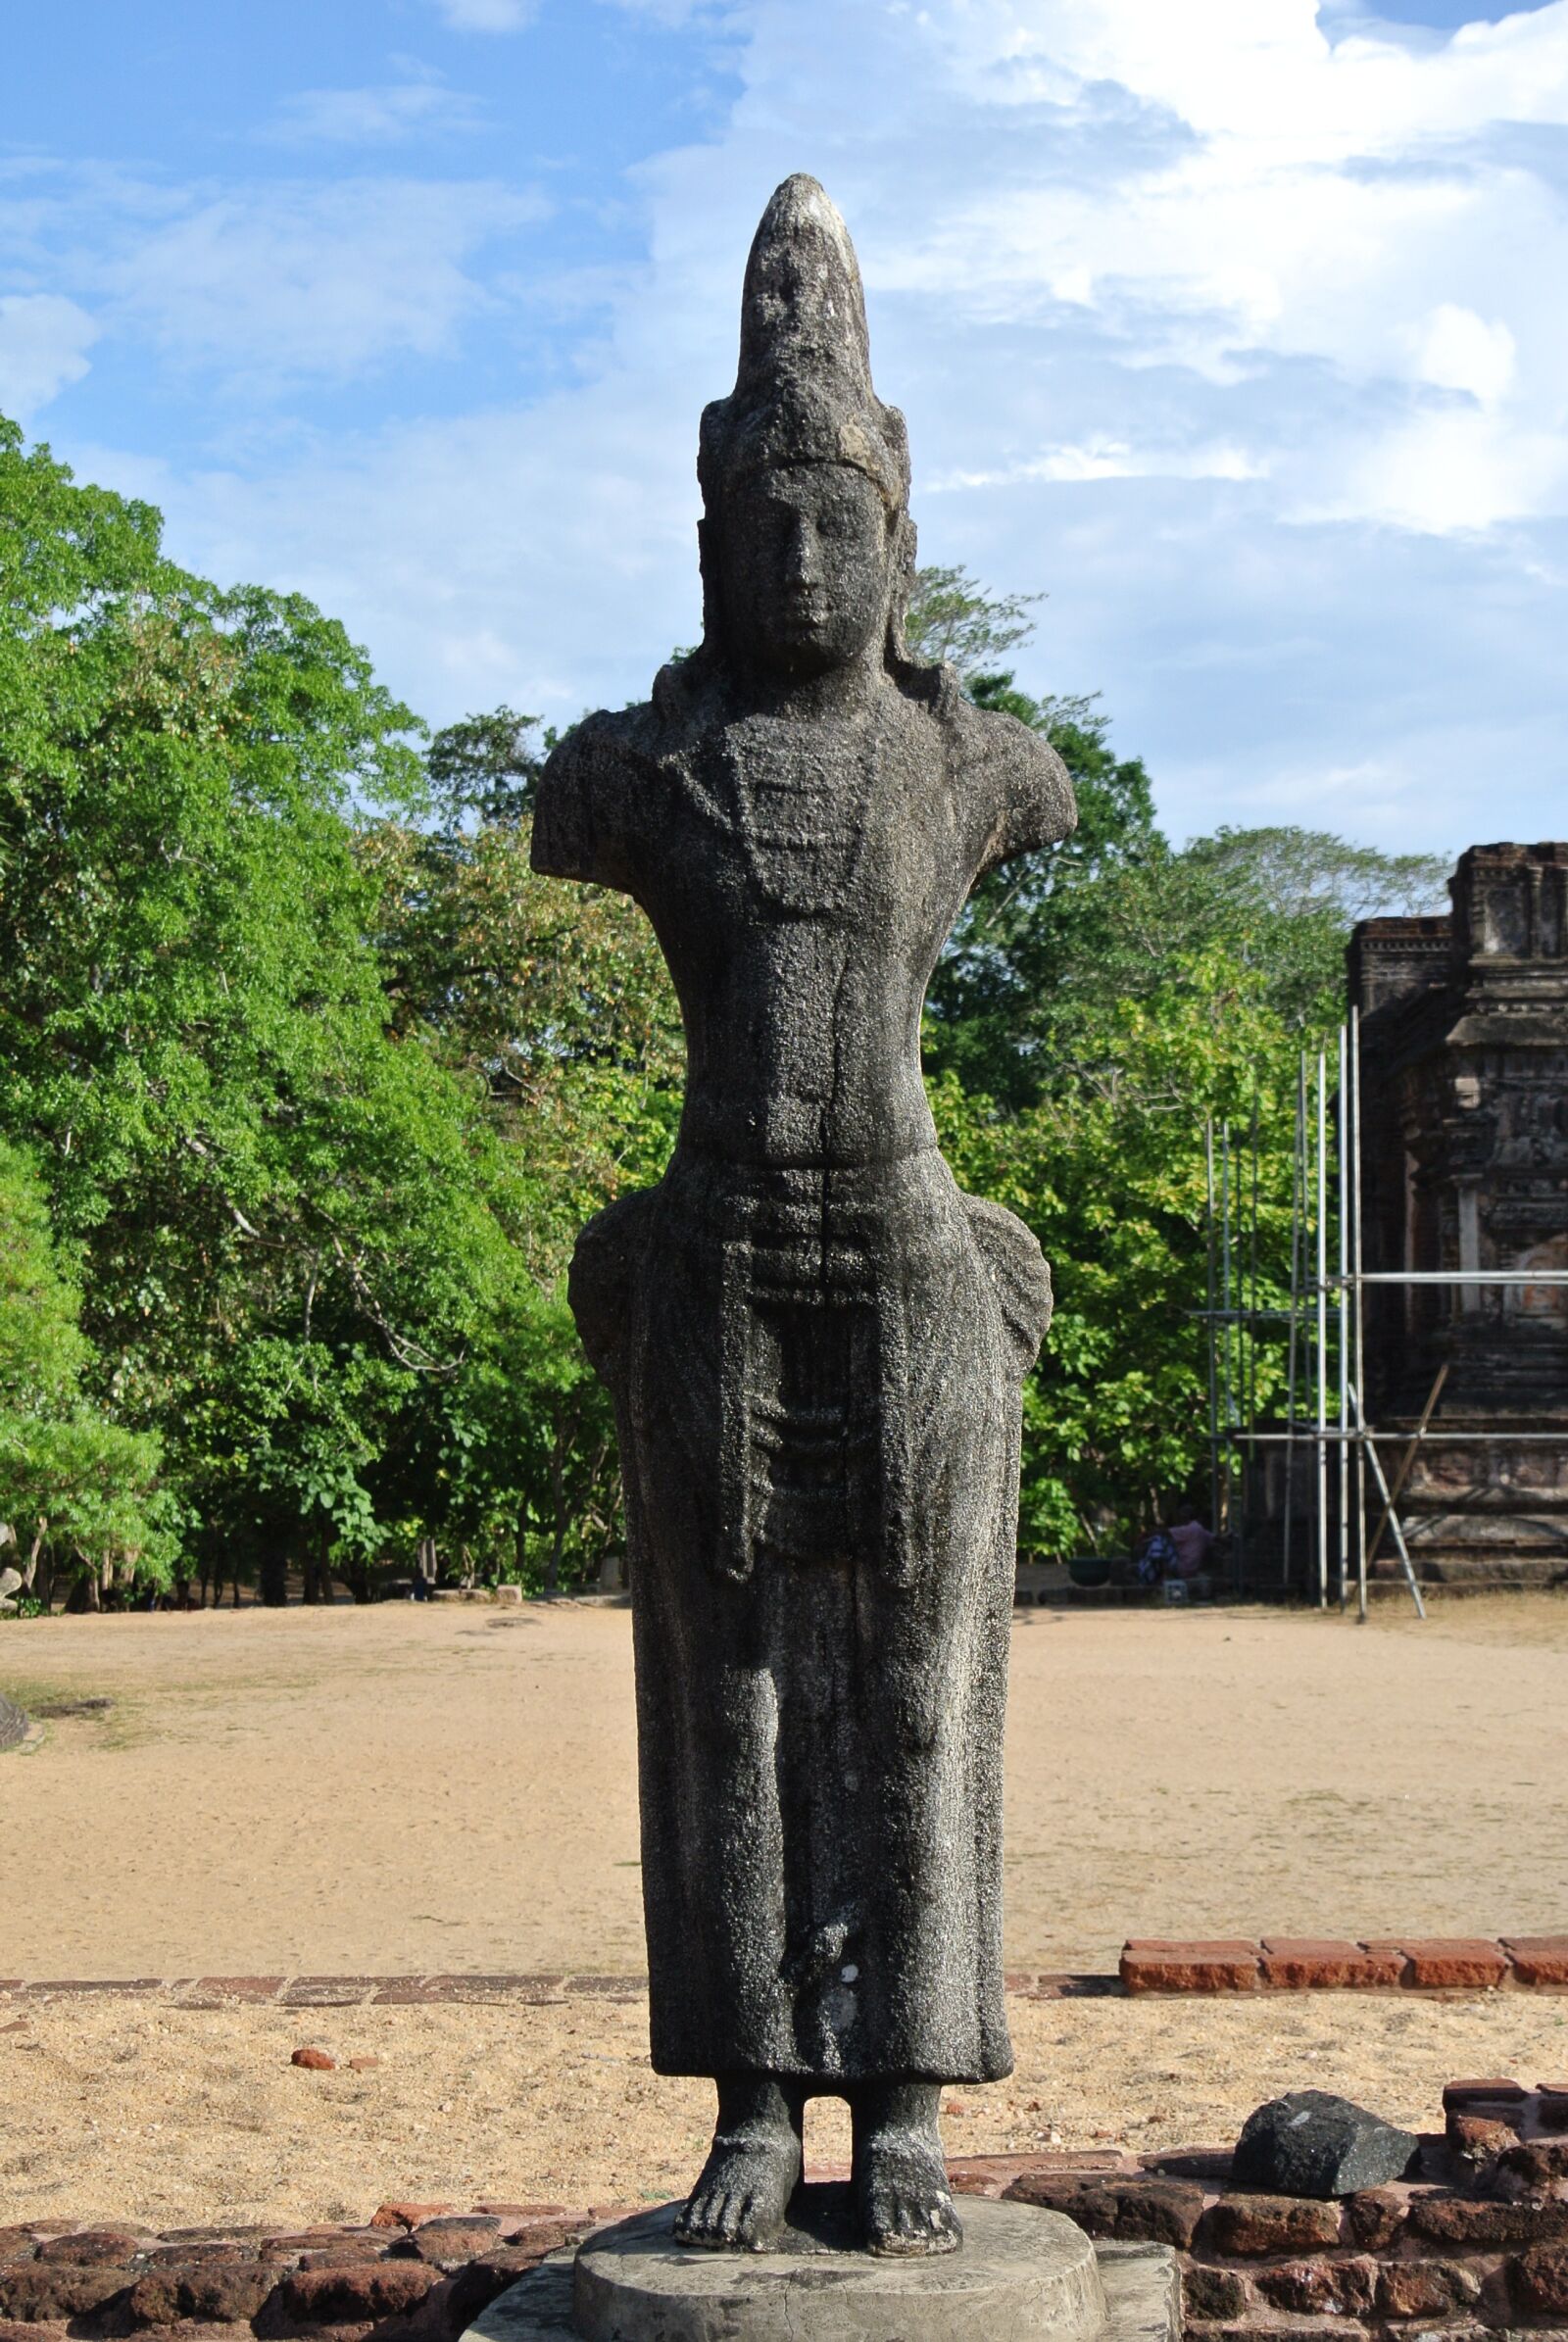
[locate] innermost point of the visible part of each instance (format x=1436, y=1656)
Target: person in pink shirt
x=1192, y=1542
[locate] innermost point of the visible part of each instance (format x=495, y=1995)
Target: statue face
x=804, y=566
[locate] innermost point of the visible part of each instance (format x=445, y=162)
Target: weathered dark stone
x=1310, y=2143
x=1249, y=2227
x=1212, y=2293
x=815, y=1340
x=1325, y=2287
x=205, y=2292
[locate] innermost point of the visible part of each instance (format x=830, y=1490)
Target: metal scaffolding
x=1322, y=1326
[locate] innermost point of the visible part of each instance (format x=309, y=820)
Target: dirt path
x=116, y=2110
x=408, y=1790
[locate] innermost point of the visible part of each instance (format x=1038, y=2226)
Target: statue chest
x=798, y=815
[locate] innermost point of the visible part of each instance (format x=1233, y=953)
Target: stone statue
x=815, y=1340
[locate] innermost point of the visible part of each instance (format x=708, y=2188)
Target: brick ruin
x=1464, y=1086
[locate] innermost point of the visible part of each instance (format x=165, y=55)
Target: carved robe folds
x=817, y=1368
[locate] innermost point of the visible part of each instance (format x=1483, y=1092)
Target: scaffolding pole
x=1325, y=1317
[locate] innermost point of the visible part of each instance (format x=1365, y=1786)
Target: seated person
x=1191, y=1542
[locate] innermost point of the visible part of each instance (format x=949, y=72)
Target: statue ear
x=707, y=563
x=901, y=585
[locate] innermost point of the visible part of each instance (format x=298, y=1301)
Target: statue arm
x=1018, y=786
x=584, y=823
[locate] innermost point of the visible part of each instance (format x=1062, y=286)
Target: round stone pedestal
x=1022, y=2275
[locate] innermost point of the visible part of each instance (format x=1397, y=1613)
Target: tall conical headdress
x=802, y=390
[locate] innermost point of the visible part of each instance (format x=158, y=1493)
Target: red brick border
x=1322, y=1964
x=1273, y=1964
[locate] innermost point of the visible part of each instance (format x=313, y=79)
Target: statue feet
x=900, y=2175
x=752, y=2168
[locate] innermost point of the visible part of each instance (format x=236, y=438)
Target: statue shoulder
x=593, y=796
x=1012, y=779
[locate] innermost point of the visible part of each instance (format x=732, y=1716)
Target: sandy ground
x=410, y=1791
x=117, y=2111
x=418, y=1789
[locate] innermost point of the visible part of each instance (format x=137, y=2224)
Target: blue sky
x=1235, y=327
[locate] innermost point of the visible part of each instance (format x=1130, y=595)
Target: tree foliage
x=310, y=1082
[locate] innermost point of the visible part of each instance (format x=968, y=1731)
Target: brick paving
x=1473, y=2243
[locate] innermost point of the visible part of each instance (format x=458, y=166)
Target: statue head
x=807, y=548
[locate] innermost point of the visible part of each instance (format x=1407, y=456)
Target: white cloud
x=307, y=279
x=486, y=16
x=377, y=115
x=44, y=340
x=1237, y=331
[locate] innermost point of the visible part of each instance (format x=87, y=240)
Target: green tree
x=290, y=1222
x=78, y=1491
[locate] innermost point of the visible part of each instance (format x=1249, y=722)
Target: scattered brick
x=1456, y=2219
x=1212, y=2293
x=1541, y=2282
x=198, y=2249
x=455, y=2237
x=475, y=2287
x=1319, y=2288
x=1149, y=2210
x=315, y=2061
x=1528, y=2168
x=1249, y=2225
x=1537, y=1958
x=1448, y=1963
x=345, y=2295
x=1303, y=2330
x=1457, y=2095
x=1477, y=2139
x=1319, y=1963
x=399, y=2213
x=1376, y=2214
x=1426, y=2288
x=205, y=2293
x=87, y=2247
x=1157, y=1966
x=34, y=2290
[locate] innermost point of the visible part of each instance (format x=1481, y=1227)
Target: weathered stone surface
x=1023, y=2274
x=1212, y=2293
x=206, y=2292
x=486, y=2278
x=1455, y=2219
x=1376, y=2215
x=1541, y=2282
x=815, y=1342
x=1339, y=2287
x=358, y=2290
x=403, y=2212
x=1464, y=1029
x=1155, y=2211
x=1311, y=2143
x=35, y=2289
x=88, y=2246
x=1426, y=2288
x=1247, y=2225
x=455, y=2237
